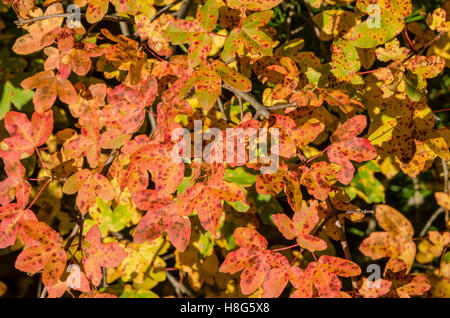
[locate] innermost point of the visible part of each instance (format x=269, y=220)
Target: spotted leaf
x=88, y=184
x=98, y=255
x=256, y=262
x=301, y=225
x=396, y=242
x=45, y=253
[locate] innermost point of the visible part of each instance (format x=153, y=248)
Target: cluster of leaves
x=90, y=181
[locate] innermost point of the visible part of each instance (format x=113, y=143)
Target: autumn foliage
x=93, y=203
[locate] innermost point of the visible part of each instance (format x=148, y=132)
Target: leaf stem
x=285, y=248
x=163, y=10
x=343, y=240
x=39, y=193
x=183, y=9
x=409, y=40
x=222, y=110
x=318, y=155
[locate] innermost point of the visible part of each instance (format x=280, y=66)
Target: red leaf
x=323, y=275
x=301, y=225
x=162, y=214
x=260, y=266
x=316, y=178
x=12, y=216
x=46, y=253
x=98, y=255
x=88, y=184
x=48, y=86
x=347, y=146
x=26, y=136
x=158, y=160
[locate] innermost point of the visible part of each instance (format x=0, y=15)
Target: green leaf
x=239, y=206
x=116, y=220
x=369, y=34
x=232, y=78
x=249, y=36
x=205, y=244
x=129, y=292
x=13, y=95
x=364, y=184
x=345, y=59
x=241, y=176
x=208, y=15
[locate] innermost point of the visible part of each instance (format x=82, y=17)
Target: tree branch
x=261, y=110
x=183, y=9
x=310, y=21
x=431, y=220
x=153, y=123
x=107, y=17
x=240, y=106
x=44, y=292
x=163, y=10
x=222, y=110
x=112, y=156
x=172, y=280
x=343, y=240
x=282, y=106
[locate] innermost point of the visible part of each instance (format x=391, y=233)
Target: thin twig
x=107, y=17
x=431, y=220
x=183, y=9
x=189, y=93
x=261, y=110
x=408, y=39
x=324, y=222
x=164, y=9
x=427, y=45
x=316, y=29
x=39, y=286
x=160, y=247
x=407, y=58
x=240, y=106
x=39, y=193
x=290, y=13
x=72, y=235
x=153, y=124
x=167, y=257
x=360, y=211
x=428, y=267
x=343, y=240
x=285, y=248
x=222, y=110
x=124, y=28
x=282, y=106
x=104, y=282
x=176, y=284
x=44, y=293
x=113, y=154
